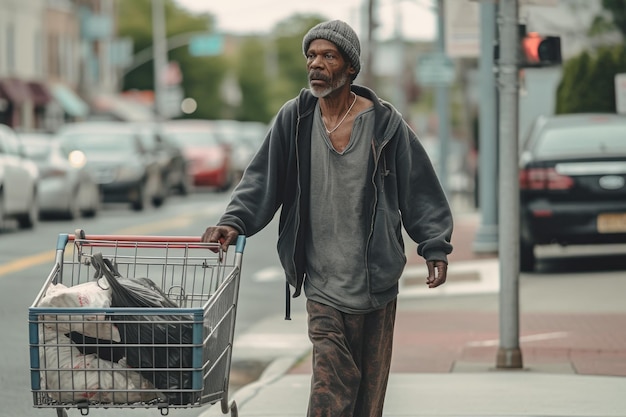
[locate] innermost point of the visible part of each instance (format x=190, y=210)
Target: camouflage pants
x=351, y=360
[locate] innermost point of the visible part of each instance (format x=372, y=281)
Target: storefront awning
x=39, y=93
x=14, y=90
x=69, y=100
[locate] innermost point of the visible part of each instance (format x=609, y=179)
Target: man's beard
x=323, y=92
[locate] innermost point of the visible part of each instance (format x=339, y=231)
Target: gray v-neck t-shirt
x=338, y=229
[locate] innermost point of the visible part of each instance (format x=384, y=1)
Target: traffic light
x=537, y=50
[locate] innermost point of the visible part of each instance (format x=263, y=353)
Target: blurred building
x=54, y=56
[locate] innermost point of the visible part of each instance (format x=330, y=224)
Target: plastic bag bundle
x=87, y=295
x=73, y=377
x=158, y=346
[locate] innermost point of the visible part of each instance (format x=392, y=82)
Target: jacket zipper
x=377, y=156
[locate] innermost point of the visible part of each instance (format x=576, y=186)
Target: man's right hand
x=225, y=235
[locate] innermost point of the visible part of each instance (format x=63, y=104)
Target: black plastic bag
x=105, y=348
x=151, y=341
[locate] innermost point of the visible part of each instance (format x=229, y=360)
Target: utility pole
x=509, y=352
x=160, y=55
x=368, y=80
x=443, y=103
x=486, y=239
x=400, y=87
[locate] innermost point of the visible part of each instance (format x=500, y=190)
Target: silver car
x=19, y=179
x=66, y=188
x=115, y=155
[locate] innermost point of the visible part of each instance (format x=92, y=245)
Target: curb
x=487, y=272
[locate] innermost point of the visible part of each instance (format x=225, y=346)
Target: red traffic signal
x=540, y=51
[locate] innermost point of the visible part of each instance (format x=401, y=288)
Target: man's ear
x=351, y=71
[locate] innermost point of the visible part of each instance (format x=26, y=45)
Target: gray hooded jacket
x=405, y=192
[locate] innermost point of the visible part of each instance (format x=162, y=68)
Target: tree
x=287, y=39
x=617, y=9
x=574, y=88
x=253, y=81
x=602, y=75
x=588, y=81
x=201, y=75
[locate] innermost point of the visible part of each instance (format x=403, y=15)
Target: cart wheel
x=61, y=412
x=229, y=408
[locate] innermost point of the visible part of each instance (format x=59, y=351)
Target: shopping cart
x=71, y=367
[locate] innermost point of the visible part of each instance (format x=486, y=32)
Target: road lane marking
x=160, y=226
x=27, y=262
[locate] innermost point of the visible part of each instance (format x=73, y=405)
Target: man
x=347, y=173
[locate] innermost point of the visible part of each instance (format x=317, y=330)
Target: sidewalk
x=444, y=361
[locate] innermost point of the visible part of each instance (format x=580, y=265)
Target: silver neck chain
x=328, y=132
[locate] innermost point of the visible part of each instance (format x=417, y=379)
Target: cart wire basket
x=87, y=352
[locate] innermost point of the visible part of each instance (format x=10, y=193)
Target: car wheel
x=95, y=202
x=527, y=256
x=1, y=211
x=29, y=219
x=184, y=187
x=143, y=198
x=228, y=183
x=161, y=195
x=160, y=189
x=73, y=210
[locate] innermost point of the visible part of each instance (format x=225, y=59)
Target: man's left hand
x=437, y=272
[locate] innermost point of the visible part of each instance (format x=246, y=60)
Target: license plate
x=611, y=223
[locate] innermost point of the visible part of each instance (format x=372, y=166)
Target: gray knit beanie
x=342, y=35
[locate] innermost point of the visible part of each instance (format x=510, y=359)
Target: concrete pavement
x=444, y=361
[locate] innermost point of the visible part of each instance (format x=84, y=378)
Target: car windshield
x=582, y=140
x=100, y=142
x=190, y=138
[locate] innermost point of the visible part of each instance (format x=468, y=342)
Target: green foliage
x=201, y=75
x=588, y=81
x=253, y=81
x=573, y=90
x=269, y=71
x=617, y=8
x=599, y=26
x=288, y=36
x=603, y=78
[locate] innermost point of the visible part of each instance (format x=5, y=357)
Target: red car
x=208, y=158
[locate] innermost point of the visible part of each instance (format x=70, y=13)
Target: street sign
x=435, y=69
x=206, y=45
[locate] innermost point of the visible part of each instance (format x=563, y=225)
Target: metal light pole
x=368, y=71
x=400, y=86
x=486, y=239
x=443, y=103
x=160, y=54
x=509, y=352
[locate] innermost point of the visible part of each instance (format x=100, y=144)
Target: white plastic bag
x=88, y=295
x=81, y=377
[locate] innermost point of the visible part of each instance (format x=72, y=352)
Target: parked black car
x=572, y=182
x=118, y=159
